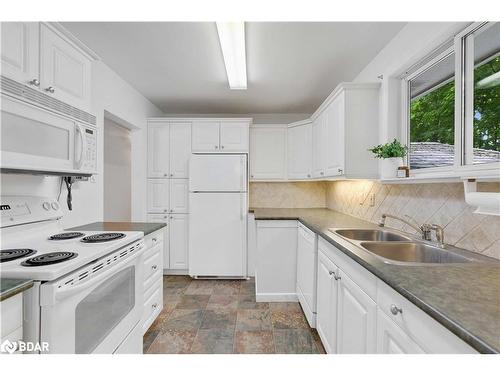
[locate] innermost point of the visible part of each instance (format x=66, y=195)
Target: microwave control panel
x=90, y=149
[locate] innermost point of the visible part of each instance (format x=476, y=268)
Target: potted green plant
x=392, y=155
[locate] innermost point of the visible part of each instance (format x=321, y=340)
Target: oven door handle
x=53, y=294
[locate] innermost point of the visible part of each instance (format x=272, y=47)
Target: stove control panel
x=17, y=210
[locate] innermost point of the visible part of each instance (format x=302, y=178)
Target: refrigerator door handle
x=242, y=171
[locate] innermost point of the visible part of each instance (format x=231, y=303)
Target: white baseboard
x=175, y=272
x=276, y=297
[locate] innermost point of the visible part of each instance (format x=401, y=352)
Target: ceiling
x=291, y=66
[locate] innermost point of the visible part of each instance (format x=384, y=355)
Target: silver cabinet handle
x=154, y=239
x=154, y=267
x=222, y=147
x=172, y=210
x=336, y=277
x=171, y=175
x=50, y=89
x=165, y=217
x=165, y=210
x=34, y=82
x=308, y=175
x=395, y=310
x=340, y=170
x=165, y=174
x=154, y=306
x=216, y=147
x=331, y=273
x=321, y=173
x=251, y=176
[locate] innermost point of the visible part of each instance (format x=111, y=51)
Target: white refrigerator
x=218, y=203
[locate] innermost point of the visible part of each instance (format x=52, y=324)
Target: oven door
x=36, y=140
x=94, y=316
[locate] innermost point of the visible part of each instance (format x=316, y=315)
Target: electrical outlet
x=372, y=199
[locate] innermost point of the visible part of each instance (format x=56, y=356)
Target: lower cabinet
x=356, y=318
x=153, y=278
x=393, y=340
x=175, y=247
x=327, y=302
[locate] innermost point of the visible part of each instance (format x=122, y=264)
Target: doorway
x=117, y=172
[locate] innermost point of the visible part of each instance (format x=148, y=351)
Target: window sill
x=448, y=176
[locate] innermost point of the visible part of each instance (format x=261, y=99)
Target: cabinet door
x=393, y=340
x=160, y=218
x=318, y=142
x=306, y=266
x=158, y=150
x=179, y=241
x=267, y=153
x=356, y=320
x=334, y=152
x=234, y=136
x=180, y=149
x=327, y=301
x=19, y=52
x=158, y=195
x=205, y=136
x=64, y=70
x=299, y=152
x=179, y=196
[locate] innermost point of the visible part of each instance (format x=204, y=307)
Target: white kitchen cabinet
x=158, y=150
x=299, y=151
x=234, y=136
x=276, y=261
x=268, y=152
x=158, y=195
x=327, y=301
x=179, y=241
x=307, y=254
x=179, y=196
x=356, y=319
x=334, y=129
x=11, y=319
x=180, y=149
x=223, y=135
x=163, y=218
x=318, y=146
x=64, y=69
x=393, y=340
x=20, y=52
x=205, y=136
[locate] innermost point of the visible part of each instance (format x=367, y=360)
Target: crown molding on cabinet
x=200, y=119
x=69, y=37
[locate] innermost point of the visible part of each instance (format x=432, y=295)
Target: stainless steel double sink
x=395, y=248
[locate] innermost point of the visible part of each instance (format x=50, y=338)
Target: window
x=482, y=94
x=432, y=114
x=452, y=104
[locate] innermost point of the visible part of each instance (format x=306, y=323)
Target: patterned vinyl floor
x=221, y=316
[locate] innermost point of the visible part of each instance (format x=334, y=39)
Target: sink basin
x=413, y=253
x=370, y=235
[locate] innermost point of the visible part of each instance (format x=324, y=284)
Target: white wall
x=117, y=172
x=124, y=105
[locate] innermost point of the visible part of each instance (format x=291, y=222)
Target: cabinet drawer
x=154, y=238
x=153, y=263
x=153, y=304
x=364, y=278
x=430, y=335
x=11, y=312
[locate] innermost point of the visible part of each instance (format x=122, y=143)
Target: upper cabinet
x=299, y=151
x=268, y=152
x=225, y=135
x=20, y=52
x=318, y=146
x=169, y=149
x=64, y=70
x=37, y=55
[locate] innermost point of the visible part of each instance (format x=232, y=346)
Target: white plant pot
x=389, y=167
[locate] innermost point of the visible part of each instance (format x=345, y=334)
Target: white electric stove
x=87, y=296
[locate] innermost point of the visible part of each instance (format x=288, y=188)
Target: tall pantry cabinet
x=169, y=149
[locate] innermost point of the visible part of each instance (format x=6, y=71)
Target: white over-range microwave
x=40, y=141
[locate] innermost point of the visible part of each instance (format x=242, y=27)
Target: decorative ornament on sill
x=392, y=155
x=487, y=203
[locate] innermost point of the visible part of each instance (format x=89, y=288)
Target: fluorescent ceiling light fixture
x=232, y=43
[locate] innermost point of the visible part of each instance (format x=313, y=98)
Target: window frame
x=463, y=49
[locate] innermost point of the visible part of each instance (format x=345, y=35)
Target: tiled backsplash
x=442, y=204
x=288, y=194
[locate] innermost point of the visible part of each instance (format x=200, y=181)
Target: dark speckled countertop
x=11, y=287
x=116, y=226
x=465, y=298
